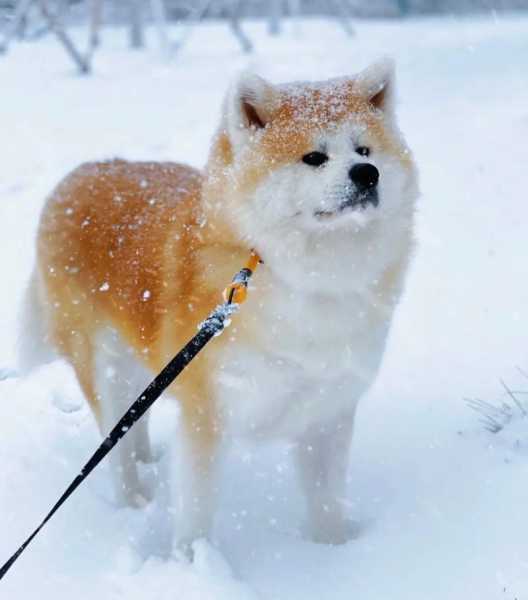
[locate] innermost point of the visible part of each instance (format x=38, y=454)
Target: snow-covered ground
x=440, y=502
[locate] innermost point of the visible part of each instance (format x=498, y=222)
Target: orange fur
x=113, y=232
x=120, y=243
x=145, y=249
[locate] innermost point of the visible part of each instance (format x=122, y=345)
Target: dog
x=131, y=256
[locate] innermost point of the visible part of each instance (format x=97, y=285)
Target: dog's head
x=312, y=159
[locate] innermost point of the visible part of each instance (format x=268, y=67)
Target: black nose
x=364, y=175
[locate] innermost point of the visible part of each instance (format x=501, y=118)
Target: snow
x=439, y=500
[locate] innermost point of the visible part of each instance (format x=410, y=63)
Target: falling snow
x=438, y=501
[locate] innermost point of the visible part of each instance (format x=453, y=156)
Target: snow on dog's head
x=311, y=158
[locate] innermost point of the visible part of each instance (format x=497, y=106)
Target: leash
x=234, y=294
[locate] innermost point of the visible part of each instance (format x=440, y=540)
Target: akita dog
x=132, y=256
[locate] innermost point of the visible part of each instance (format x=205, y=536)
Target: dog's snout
x=364, y=175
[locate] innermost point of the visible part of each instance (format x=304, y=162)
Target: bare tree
x=234, y=13
x=96, y=10
x=403, y=6
x=136, y=24
x=82, y=62
x=53, y=22
x=275, y=14
x=17, y=23
x=160, y=19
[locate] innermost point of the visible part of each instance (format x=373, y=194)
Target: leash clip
x=236, y=291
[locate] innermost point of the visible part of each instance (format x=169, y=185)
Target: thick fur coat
x=131, y=256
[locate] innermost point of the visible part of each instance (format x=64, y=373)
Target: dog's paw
x=183, y=550
x=137, y=498
x=334, y=533
x=149, y=456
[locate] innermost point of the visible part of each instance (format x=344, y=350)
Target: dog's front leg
x=323, y=458
x=196, y=494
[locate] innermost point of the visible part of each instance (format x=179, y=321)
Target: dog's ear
x=251, y=102
x=376, y=83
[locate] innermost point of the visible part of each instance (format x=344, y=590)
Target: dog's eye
x=363, y=150
x=315, y=159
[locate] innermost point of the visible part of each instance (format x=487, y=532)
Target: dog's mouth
x=356, y=201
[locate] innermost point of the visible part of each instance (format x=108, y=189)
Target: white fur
x=33, y=348
x=119, y=379
x=323, y=307
x=325, y=298
x=323, y=303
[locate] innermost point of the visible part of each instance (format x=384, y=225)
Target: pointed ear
x=377, y=84
x=251, y=102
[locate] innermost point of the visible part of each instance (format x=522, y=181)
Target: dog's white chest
x=310, y=359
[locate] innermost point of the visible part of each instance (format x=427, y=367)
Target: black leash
x=212, y=326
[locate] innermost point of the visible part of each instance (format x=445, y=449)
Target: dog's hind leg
x=119, y=378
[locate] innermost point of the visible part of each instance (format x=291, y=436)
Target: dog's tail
x=33, y=346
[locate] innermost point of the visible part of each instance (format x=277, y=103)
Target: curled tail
x=34, y=348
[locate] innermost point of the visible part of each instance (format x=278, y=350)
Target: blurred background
x=440, y=456
x=31, y=19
